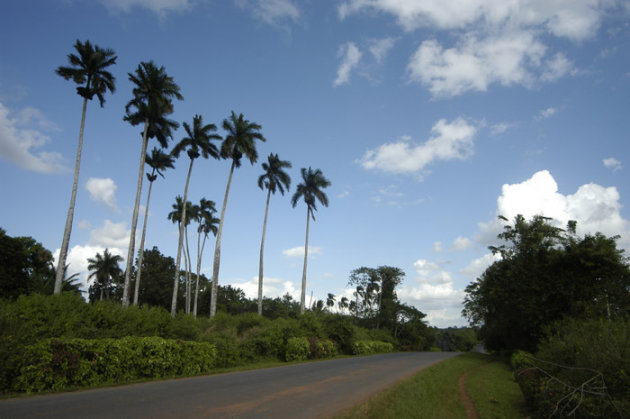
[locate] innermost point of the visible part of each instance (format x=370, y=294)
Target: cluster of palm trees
x=151, y=104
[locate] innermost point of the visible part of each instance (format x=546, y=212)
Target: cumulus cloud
x=437, y=247
x=595, y=208
x=22, y=133
x=272, y=287
x=612, y=163
x=496, y=41
x=103, y=191
x=433, y=292
x=547, y=113
x=575, y=20
x=380, y=47
x=474, y=64
x=299, y=251
x=160, y=7
x=477, y=266
x=461, y=243
x=111, y=236
x=350, y=57
x=271, y=11
x=449, y=141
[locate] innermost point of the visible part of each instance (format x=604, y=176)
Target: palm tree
x=207, y=224
x=104, y=268
x=311, y=190
x=176, y=217
x=158, y=161
x=273, y=178
x=151, y=102
x=197, y=144
x=330, y=301
x=88, y=70
x=343, y=303
x=239, y=142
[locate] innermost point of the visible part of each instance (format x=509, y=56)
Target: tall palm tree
x=330, y=301
x=343, y=303
x=88, y=70
x=159, y=162
x=197, y=144
x=151, y=102
x=104, y=268
x=313, y=181
x=176, y=217
x=273, y=178
x=239, y=141
x=207, y=224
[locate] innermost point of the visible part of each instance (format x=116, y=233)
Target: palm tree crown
x=152, y=99
x=311, y=190
x=240, y=139
x=104, y=268
x=198, y=140
x=87, y=69
x=274, y=177
x=159, y=161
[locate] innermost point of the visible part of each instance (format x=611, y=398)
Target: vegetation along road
x=318, y=389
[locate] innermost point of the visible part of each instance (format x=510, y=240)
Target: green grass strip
x=433, y=392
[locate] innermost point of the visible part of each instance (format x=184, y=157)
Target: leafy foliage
x=56, y=364
x=367, y=347
x=545, y=274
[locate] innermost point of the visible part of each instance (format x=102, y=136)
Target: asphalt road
x=312, y=390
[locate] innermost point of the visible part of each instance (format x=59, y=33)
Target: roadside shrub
x=298, y=349
x=55, y=364
x=321, y=348
x=366, y=347
x=341, y=330
x=582, y=368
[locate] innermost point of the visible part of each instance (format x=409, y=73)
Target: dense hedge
x=301, y=348
x=55, y=364
x=582, y=368
x=366, y=347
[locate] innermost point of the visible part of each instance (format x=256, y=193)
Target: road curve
x=317, y=389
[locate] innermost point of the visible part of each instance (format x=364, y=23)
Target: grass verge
x=433, y=392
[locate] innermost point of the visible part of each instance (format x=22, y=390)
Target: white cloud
x=499, y=128
x=272, y=288
x=299, y=251
x=547, y=113
x=271, y=11
x=449, y=141
x=595, y=208
x=103, y=191
x=461, y=243
x=433, y=293
x=575, y=19
x=437, y=247
x=350, y=57
x=497, y=41
x=111, y=235
x=557, y=67
x=21, y=134
x=380, y=47
x=612, y=163
x=84, y=225
x=473, y=65
x=478, y=266
x=161, y=7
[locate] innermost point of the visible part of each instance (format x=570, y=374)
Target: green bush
x=366, y=347
x=578, y=355
x=55, y=364
x=298, y=349
x=321, y=348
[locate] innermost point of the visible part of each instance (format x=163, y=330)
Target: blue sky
x=430, y=118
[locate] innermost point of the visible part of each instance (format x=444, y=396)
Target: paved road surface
x=318, y=389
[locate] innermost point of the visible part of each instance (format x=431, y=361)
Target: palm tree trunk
x=199, y=255
x=262, y=246
x=217, y=249
x=180, y=243
x=144, y=232
x=65, y=242
x=188, y=274
x=134, y=220
x=303, y=296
